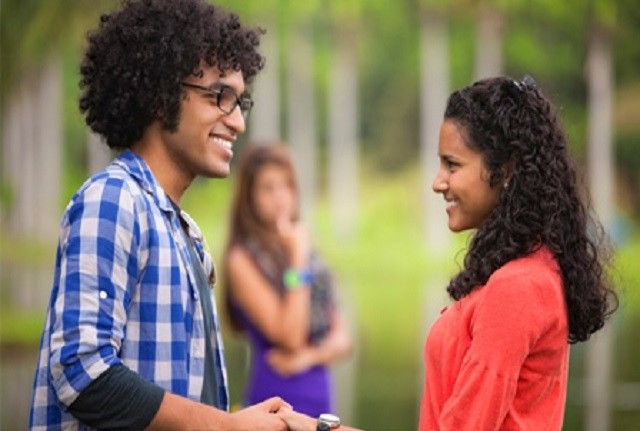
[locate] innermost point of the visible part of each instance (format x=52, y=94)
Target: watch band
x=293, y=279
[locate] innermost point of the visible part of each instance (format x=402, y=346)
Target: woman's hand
x=288, y=363
x=300, y=422
x=297, y=421
x=296, y=240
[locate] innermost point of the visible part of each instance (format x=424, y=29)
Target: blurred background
x=357, y=89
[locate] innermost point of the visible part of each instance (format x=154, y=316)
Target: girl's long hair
x=246, y=224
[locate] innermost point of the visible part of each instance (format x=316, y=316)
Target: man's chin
x=218, y=172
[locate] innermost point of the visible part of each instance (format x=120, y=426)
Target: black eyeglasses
x=226, y=98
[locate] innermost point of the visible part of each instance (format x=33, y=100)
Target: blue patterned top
x=124, y=292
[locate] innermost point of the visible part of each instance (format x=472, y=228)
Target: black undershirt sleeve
x=118, y=399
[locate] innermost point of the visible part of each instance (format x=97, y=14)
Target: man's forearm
x=121, y=399
x=178, y=413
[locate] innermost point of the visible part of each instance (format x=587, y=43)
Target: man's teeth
x=223, y=143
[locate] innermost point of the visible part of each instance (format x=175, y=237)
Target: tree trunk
x=489, y=33
x=33, y=153
x=99, y=155
x=433, y=97
x=599, y=352
x=265, y=116
x=343, y=154
x=302, y=129
x=22, y=221
x=48, y=151
x=11, y=153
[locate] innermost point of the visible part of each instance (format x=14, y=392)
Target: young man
x=131, y=338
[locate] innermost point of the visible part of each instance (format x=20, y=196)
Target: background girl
x=278, y=290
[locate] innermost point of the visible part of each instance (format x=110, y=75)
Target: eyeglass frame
x=216, y=93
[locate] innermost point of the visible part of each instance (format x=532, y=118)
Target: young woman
x=533, y=279
x=278, y=290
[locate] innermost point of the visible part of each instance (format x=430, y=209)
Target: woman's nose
x=439, y=184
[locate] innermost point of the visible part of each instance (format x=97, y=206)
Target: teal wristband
x=293, y=279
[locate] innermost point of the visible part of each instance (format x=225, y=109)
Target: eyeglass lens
x=227, y=101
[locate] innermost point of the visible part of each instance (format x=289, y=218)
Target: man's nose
x=235, y=120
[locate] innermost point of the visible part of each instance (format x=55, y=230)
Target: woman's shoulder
x=533, y=277
x=539, y=263
x=237, y=252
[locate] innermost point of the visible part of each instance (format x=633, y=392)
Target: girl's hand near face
x=296, y=240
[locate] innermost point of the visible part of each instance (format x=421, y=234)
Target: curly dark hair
x=517, y=131
x=138, y=56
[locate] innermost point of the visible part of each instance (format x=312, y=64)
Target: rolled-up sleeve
x=98, y=270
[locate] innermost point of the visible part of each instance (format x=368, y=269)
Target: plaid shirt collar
x=135, y=166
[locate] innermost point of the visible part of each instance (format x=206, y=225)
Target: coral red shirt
x=497, y=359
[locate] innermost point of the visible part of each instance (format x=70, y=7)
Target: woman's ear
x=507, y=172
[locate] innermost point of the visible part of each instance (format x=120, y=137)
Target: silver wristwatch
x=327, y=422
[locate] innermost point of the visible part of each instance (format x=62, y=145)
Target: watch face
x=329, y=421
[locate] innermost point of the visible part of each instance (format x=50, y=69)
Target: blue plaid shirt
x=124, y=292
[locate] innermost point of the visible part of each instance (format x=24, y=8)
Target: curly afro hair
x=517, y=131
x=138, y=56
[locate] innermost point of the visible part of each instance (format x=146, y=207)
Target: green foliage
x=389, y=86
x=6, y=198
x=345, y=10
x=31, y=30
x=605, y=13
x=461, y=46
x=24, y=251
x=20, y=329
x=436, y=6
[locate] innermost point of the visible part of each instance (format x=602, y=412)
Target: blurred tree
x=599, y=71
x=32, y=33
x=265, y=118
x=490, y=22
x=99, y=154
x=301, y=98
x=343, y=119
x=343, y=150
x=30, y=30
x=434, y=92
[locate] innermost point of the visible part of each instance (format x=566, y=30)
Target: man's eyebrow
x=221, y=84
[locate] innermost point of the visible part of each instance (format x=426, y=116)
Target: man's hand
x=260, y=417
x=179, y=413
